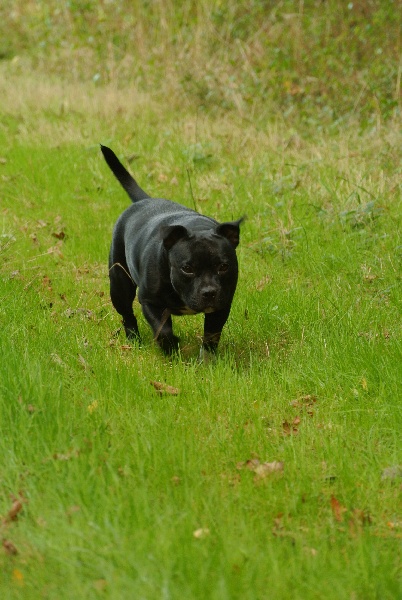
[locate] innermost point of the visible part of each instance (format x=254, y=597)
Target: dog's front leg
x=161, y=323
x=213, y=325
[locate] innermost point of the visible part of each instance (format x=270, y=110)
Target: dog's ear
x=231, y=231
x=171, y=234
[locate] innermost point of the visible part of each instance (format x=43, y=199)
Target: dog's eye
x=223, y=268
x=187, y=269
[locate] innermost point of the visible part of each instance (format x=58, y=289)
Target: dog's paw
x=132, y=334
x=168, y=344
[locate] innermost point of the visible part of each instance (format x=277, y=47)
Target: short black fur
x=181, y=262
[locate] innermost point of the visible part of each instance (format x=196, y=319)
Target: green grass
x=129, y=494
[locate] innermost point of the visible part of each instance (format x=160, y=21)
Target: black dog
x=182, y=263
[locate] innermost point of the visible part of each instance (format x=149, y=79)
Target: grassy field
x=273, y=472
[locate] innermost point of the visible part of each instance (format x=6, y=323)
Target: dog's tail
x=129, y=184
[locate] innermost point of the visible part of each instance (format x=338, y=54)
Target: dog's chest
x=185, y=310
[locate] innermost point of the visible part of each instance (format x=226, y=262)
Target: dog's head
x=203, y=265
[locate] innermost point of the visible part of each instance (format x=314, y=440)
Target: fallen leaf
x=278, y=530
x=291, y=428
x=265, y=469
x=393, y=524
x=261, y=469
x=18, y=576
x=65, y=456
x=278, y=521
x=305, y=401
x=337, y=509
x=56, y=249
x=393, y=472
x=251, y=463
x=9, y=548
x=163, y=388
x=59, y=235
x=46, y=282
x=15, y=509
x=200, y=533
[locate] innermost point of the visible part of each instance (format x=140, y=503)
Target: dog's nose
x=209, y=293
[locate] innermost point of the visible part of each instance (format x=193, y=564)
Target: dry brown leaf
x=278, y=521
x=59, y=235
x=9, y=548
x=65, y=456
x=163, y=388
x=394, y=472
x=56, y=249
x=291, y=428
x=265, y=469
x=337, y=509
x=15, y=509
x=18, y=576
x=278, y=530
x=305, y=401
x=261, y=469
x=251, y=463
x=200, y=533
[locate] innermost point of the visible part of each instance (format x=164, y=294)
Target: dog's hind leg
x=122, y=294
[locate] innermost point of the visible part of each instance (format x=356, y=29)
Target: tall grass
x=316, y=64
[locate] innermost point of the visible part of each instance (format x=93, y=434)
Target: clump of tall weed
x=315, y=63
